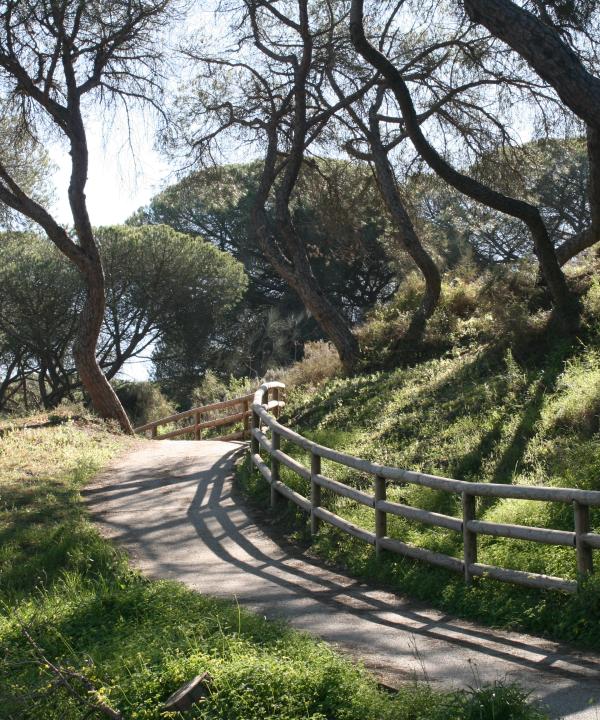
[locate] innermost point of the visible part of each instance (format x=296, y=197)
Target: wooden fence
x=208, y=417
x=581, y=538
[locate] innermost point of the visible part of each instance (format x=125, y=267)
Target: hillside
x=494, y=407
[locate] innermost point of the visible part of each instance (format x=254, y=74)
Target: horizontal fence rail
x=208, y=417
x=581, y=539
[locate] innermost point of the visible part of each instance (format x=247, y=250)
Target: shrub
x=469, y=313
x=320, y=362
x=591, y=303
x=461, y=297
x=215, y=389
x=576, y=405
x=143, y=402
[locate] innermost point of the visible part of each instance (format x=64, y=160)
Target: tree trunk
x=102, y=396
x=542, y=47
x=288, y=257
x=299, y=276
x=8, y=380
x=566, y=307
x=408, y=238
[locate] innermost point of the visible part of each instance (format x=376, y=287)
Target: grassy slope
x=138, y=640
x=474, y=414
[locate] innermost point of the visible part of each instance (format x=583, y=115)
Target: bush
x=143, y=402
x=468, y=314
x=320, y=362
x=576, y=405
x=215, y=389
x=591, y=303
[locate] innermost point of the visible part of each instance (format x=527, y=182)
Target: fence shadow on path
x=179, y=506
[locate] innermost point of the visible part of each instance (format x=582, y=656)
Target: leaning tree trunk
x=408, y=238
x=545, y=49
x=288, y=257
x=551, y=57
x=102, y=396
x=299, y=276
x=566, y=306
x=328, y=317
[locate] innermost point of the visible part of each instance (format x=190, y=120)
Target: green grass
x=139, y=640
x=477, y=415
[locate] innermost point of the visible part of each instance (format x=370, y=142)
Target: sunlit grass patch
x=474, y=415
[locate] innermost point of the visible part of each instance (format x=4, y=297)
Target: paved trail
x=170, y=505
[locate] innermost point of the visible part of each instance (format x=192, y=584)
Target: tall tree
x=337, y=212
x=548, y=41
x=369, y=131
x=54, y=56
x=261, y=91
x=162, y=288
x=565, y=304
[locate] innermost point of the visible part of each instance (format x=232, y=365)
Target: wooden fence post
x=197, y=431
x=469, y=537
x=154, y=432
x=315, y=491
x=276, y=397
x=584, y=551
x=275, y=443
x=380, y=515
x=246, y=420
x=254, y=446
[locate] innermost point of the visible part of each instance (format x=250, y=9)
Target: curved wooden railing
x=208, y=417
x=581, y=539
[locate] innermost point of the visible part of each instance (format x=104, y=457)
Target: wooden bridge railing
x=208, y=417
x=581, y=539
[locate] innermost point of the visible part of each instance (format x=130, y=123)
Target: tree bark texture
x=103, y=397
x=101, y=393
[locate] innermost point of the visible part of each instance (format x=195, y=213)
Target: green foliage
x=143, y=402
x=498, y=702
x=139, y=640
x=576, y=404
x=214, y=388
x=591, y=302
x=468, y=316
x=337, y=211
x=39, y=294
x=163, y=289
x=477, y=412
x=550, y=174
x=25, y=160
x=320, y=362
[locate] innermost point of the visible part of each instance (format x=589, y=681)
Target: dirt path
x=170, y=505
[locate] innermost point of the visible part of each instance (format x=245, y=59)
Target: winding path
x=170, y=505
